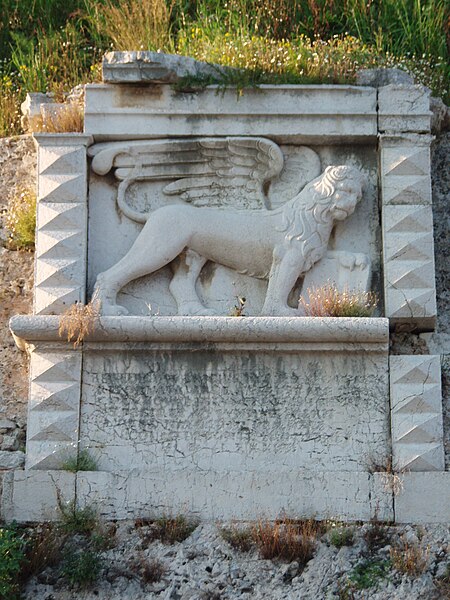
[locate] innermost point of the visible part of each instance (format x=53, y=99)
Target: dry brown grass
x=147, y=570
x=239, y=538
x=328, y=301
x=168, y=529
x=78, y=321
x=44, y=549
x=409, y=558
x=63, y=119
x=391, y=474
x=287, y=539
x=135, y=24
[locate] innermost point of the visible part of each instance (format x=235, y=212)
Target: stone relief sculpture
x=238, y=203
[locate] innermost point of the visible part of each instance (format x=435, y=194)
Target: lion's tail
x=127, y=210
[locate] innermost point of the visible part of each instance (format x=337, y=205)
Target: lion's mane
x=307, y=215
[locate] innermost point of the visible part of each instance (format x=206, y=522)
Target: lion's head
x=332, y=196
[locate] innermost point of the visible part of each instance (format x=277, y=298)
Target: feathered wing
x=301, y=165
x=225, y=171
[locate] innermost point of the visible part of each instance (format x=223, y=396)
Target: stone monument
x=170, y=206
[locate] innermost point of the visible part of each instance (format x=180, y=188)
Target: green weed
x=368, y=573
x=12, y=557
x=341, y=536
x=78, y=520
x=84, y=461
x=81, y=568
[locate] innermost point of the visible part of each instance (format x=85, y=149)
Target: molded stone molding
x=61, y=240
x=404, y=108
x=416, y=413
x=408, y=253
x=54, y=406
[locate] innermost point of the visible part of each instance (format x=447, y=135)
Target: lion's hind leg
x=186, y=270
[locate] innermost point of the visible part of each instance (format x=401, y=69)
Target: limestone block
x=61, y=227
x=153, y=67
x=53, y=412
x=416, y=413
x=424, y=498
x=292, y=113
x=404, y=108
x=11, y=460
x=381, y=77
x=410, y=295
x=211, y=495
x=405, y=169
x=33, y=496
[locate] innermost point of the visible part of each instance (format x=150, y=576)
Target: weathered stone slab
x=416, y=413
x=143, y=66
x=424, y=498
x=36, y=495
x=289, y=113
x=211, y=495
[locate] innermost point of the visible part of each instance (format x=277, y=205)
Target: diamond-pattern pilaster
x=53, y=411
x=416, y=413
x=61, y=226
x=408, y=254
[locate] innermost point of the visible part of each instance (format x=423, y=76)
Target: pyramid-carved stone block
x=416, y=413
x=53, y=417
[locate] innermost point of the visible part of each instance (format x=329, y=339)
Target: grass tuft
x=328, y=301
x=78, y=321
x=341, y=536
x=168, y=529
x=66, y=118
x=409, y=558
x=286, y=539
x=238, y=538
x=78, y=520
x=21, y=220
x=84, y=461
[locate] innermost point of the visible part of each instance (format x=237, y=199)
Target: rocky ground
x=206, y=567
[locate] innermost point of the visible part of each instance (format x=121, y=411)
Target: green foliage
x=78, y=520
x=81, y=567
x=12, y=556
x=52, y=45
x=82, y=462
x=368, y=573
x=21, y=220
x=341, y=536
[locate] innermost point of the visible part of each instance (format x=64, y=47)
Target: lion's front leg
x=286, y=267
x=186, y=270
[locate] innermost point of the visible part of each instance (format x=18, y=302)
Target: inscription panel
x=242, y=411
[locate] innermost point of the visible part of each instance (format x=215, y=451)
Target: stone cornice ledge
x=238, y=330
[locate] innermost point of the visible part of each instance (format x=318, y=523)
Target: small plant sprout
x=78, y=321
x=238, y=308
x=329, y=301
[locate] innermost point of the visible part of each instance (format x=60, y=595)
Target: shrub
x=328, y=301
x=81, y=568
x=149, y=571
x=44, y=548
x=377, y=535
x=21, y=220
x=12, y=557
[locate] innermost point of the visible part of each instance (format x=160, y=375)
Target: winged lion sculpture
x=235, y=201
